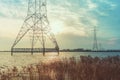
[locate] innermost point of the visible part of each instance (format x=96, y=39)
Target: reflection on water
x=22, y=59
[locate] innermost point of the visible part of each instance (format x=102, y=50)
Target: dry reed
x=85, y=68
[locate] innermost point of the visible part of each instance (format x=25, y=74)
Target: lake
x=23, y=59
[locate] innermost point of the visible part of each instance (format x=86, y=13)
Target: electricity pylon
x=101, y=47
x=36, y=23
x=95, y=44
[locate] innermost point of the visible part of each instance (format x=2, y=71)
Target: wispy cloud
x=76, y=19
x=9, y=27
x=111, y=4
x=113, y=41
x=13, y=9
x=72, y=16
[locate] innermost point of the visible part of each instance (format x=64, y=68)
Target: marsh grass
x=84, y=68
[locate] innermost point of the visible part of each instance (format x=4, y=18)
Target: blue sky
x=72, y=22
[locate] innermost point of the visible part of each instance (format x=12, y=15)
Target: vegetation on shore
x=85, y=68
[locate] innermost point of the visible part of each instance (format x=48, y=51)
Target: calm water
x=22, y=59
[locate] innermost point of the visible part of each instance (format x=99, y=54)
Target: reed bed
x=84, y=68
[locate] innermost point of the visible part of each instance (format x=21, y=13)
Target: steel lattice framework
x=95, y=44
x=36, y=23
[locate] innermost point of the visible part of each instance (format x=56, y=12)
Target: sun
x=57, y=27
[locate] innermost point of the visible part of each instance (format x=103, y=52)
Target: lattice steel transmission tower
x=95, y=44
x=36, y=23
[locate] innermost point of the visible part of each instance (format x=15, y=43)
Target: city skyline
x=71, y=21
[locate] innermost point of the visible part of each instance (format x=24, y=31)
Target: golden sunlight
x=57, y=27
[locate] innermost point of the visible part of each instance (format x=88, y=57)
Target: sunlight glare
x=57, y=27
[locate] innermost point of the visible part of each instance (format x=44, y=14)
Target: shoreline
x=63, y=51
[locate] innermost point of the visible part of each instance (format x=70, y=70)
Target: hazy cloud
x=74, y=17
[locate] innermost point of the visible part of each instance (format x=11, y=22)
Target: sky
x=72, y=22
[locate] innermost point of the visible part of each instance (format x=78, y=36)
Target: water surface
x=23, y=59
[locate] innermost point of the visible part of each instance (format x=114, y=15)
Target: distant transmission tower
x=95, y=44
x=101, y=47
x=36, y=23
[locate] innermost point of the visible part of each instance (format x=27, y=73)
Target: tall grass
x=85, y=68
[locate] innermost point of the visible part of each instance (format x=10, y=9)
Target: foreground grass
x=85, y=68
